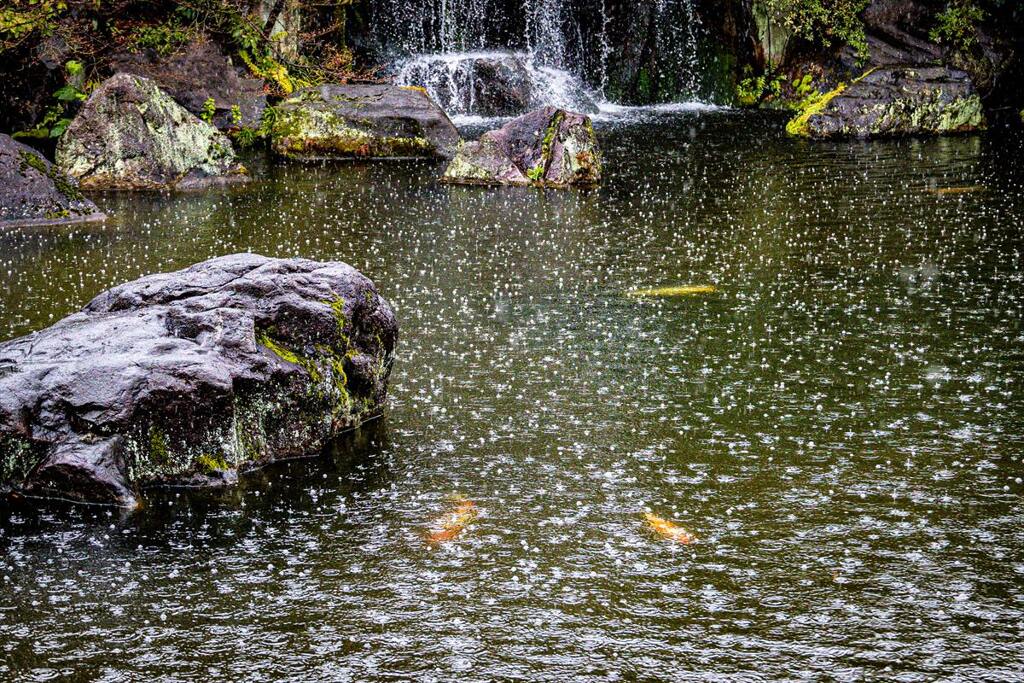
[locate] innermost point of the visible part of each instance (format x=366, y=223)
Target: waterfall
x=679, y=40
x=566, y=47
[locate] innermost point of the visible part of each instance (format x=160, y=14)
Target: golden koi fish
x=446, y=528
x=669, y=530
x=959, y=190
x=680, y=290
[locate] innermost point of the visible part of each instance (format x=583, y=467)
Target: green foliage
x=94, y=29
x=209, y=109
x=822, y=22
x=804, y=86
x=164, y=38
x=20, y=19
x=269, y=69
x=236, y=115
x=57, y=117
x=248, y=136
x=956, y=26
x=753, y=90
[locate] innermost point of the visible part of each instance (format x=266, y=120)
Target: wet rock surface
x=362, y=122
x=34, y=191
x=198, y=72
x=548, y=147
x=895, y=101
x=192, y=376
x=132, y=135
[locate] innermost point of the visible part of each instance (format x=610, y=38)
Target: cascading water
x=494, y=83
x=499, y=57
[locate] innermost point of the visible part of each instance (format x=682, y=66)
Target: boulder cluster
x=169, y=124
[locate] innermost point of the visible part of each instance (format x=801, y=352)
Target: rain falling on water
x=829, y=400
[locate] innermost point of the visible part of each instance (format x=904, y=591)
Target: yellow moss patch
x=798, y=124
x=210, y=465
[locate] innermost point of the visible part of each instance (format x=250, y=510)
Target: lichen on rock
x=132, y=135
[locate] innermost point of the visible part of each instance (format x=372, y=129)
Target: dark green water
x=841, y=423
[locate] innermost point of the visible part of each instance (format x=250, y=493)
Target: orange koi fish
x=669, y=530
x=448, y=527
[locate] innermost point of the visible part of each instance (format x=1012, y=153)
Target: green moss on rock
x=893, y=101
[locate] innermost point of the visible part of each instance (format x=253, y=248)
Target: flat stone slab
x=362, y=122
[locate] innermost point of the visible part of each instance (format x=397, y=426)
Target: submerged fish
x=669, y=530
x=679, y=290
x=446, y=528
x=959, y=190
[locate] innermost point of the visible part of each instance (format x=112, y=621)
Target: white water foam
x=450, y=80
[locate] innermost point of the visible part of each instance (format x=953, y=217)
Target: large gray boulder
x=192, y=376
x=196, y=73
x=892, y=101
x=34, y=191
x=131, y=135
x=362, y=122
x=548, y=147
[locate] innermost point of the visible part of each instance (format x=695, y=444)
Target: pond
x=835, y=412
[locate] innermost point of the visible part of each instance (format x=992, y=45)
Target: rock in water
x=189, y=377
x=34, y=191
x=131, y=135
x=362, y=122
x=893, y=101
x=548, y=147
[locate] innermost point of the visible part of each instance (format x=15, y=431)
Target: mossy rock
x=33, y=191
x=189, y=378
x=130, y=135
x=548, y=147
x=893, y=101
x=362, y=122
